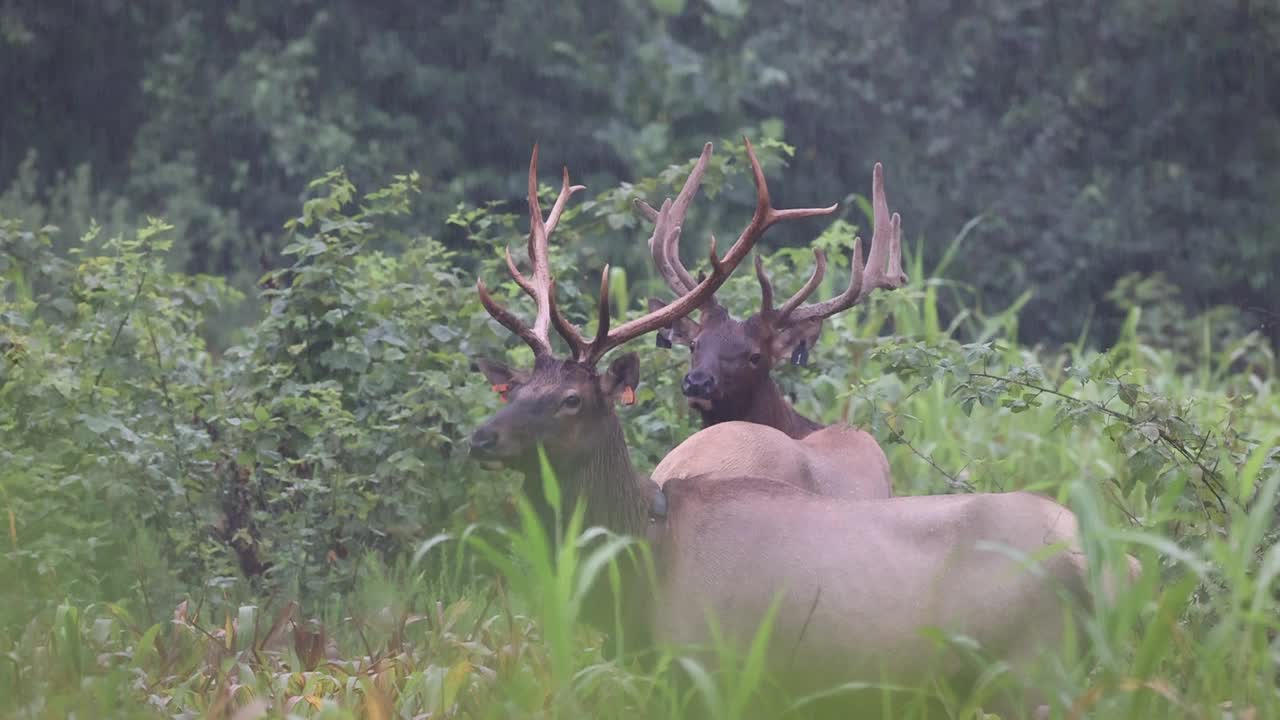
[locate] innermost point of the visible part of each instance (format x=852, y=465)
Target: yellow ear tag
x=628, y=396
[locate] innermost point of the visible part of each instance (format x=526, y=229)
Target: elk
x=729, y=382
x=566, y=405
x=729, y=376
x=736, y=448
x=856, y=581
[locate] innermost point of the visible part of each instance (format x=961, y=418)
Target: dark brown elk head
x=565, y=404
x=729, y=373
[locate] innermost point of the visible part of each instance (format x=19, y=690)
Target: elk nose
x=483, y=440
x=698, y=383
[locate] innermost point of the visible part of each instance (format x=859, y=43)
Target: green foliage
x=209, y=479
x=191, y=531
x=1092, y=141
x=332, y=426
x=104, y=355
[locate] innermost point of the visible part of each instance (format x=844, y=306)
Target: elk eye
x=755, y=358
x=571, y=402
x=693, y=345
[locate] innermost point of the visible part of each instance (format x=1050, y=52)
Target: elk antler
x=664, y=244
x=695, y=297
x=666, y=234
x=886, y=245
x=542, y=286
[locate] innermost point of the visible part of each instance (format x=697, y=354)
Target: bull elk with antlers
x=566, y=404
x=859, y=581
x=729, y=380
x=725, y=452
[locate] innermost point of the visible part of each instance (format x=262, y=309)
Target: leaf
x=1144, y=465
x=146, y=647
x=391, y=338
x=426, y=545
x=253, y=710
x=1128, y=394
x=1079, y=374
x=669, y=7
x=101, y=630
x=277, y=627
x=246, y=619
x=703, y=684
x=377, y=706
x=98, y=425
x=453, y=683
x=1150, y=431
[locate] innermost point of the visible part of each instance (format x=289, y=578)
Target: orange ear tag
x=628, y=395
x=501, y=389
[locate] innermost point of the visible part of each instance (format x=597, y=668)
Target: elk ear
x=681, y=332
x=620, y=380
x=497, y=373
x=792, y=344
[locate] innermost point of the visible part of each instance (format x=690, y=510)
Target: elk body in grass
x=729, y=381
x=857, y=583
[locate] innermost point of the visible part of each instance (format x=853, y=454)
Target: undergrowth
x=290, y=526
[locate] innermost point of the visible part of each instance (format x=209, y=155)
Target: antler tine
x=671, y=255
x=886, y=247
x=647, y=211
x=840, y=303
x=765, y=215
x=819, y=269
x=661, y=244
x=886, y=242
x=519, y=277
x=580, y=347
x=602, y=312
x=538, y=255
x=666, y=254
x=766, y=287
x=566, y=192
x=694, y=295
x=540, y=345
x=661, y=318
x=895, y=251
x=664, y=242
x=542, y=287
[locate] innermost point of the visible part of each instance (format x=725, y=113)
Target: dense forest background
x=1089, y=140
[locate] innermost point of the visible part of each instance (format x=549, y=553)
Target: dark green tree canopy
x=1093, y=140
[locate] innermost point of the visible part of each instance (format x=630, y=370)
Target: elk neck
x=765, y=406
x=616, y=498
x=602, y=476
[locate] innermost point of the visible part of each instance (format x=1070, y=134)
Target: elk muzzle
x=699, y=385
x=483, y=442
x=492, y=447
